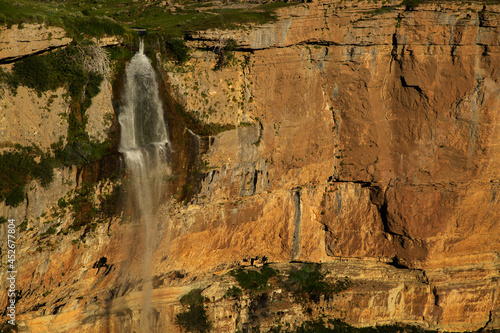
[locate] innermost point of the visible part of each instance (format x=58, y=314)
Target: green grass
x=68, y=15
x=93, y=26
x=23, y=11
x=97, y=18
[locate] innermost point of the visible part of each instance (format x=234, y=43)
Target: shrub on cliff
x=225, y=53
x=195, y=318
x=338, y=326
x=62, y=68
x=20, y=166
x=177, y=48
x=309, y=283
x=7, y=327
x=253, y=280
x=71, y=69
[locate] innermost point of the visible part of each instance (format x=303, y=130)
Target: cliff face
x=377, y=138
x=367, y=140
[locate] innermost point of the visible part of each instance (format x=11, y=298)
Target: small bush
x=6, y=327
x=411, y=3
x=194, y=297
x=338, y=326
x=18, y=168
x=225, y=55
x=195, y=319
x=51, y=231
x=36, y=72
x=253, y=280
x=23, y=226
x=177, y=48
x=309, y=283
x=233, y=292
x=120, y=53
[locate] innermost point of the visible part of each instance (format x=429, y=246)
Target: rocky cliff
x=367, y=139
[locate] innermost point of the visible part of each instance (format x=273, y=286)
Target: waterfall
x=144, y=143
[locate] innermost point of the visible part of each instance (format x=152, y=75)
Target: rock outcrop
x=367, y=140
x=16, y=42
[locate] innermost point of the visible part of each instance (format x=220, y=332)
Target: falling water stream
x=144, y=143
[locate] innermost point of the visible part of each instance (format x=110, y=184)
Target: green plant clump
x=233, y=292
x=225, y=55
x=338, y=326
x=309, y=283
x=177, y=48
x=253, y=280
x=7, y=327
x=62, y=68
x=51, y=231
x=20, y=166
x=84, y=208
x=195, y=318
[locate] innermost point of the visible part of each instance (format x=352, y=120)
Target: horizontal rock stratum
x=367, y=139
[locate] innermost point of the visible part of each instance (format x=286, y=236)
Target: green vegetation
x=252, y=280
x=110, y=17
x=233, y=292
x=23, y=226
x=82, y=204
x=51, y=231
x=338, y=326
x=62, y=68
x=18, y=167
x=69, y=15
x=177, y=48
x=306, y=284
x=120, y=53
x=22, y=11
x=6, y=327
x=194, y=297
x=92, y=26
x=197, y=16
x=169, y=44
x=42, y=73
x=225, y=54
x=309, y=283
x=195, y=318
x=3, y=220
